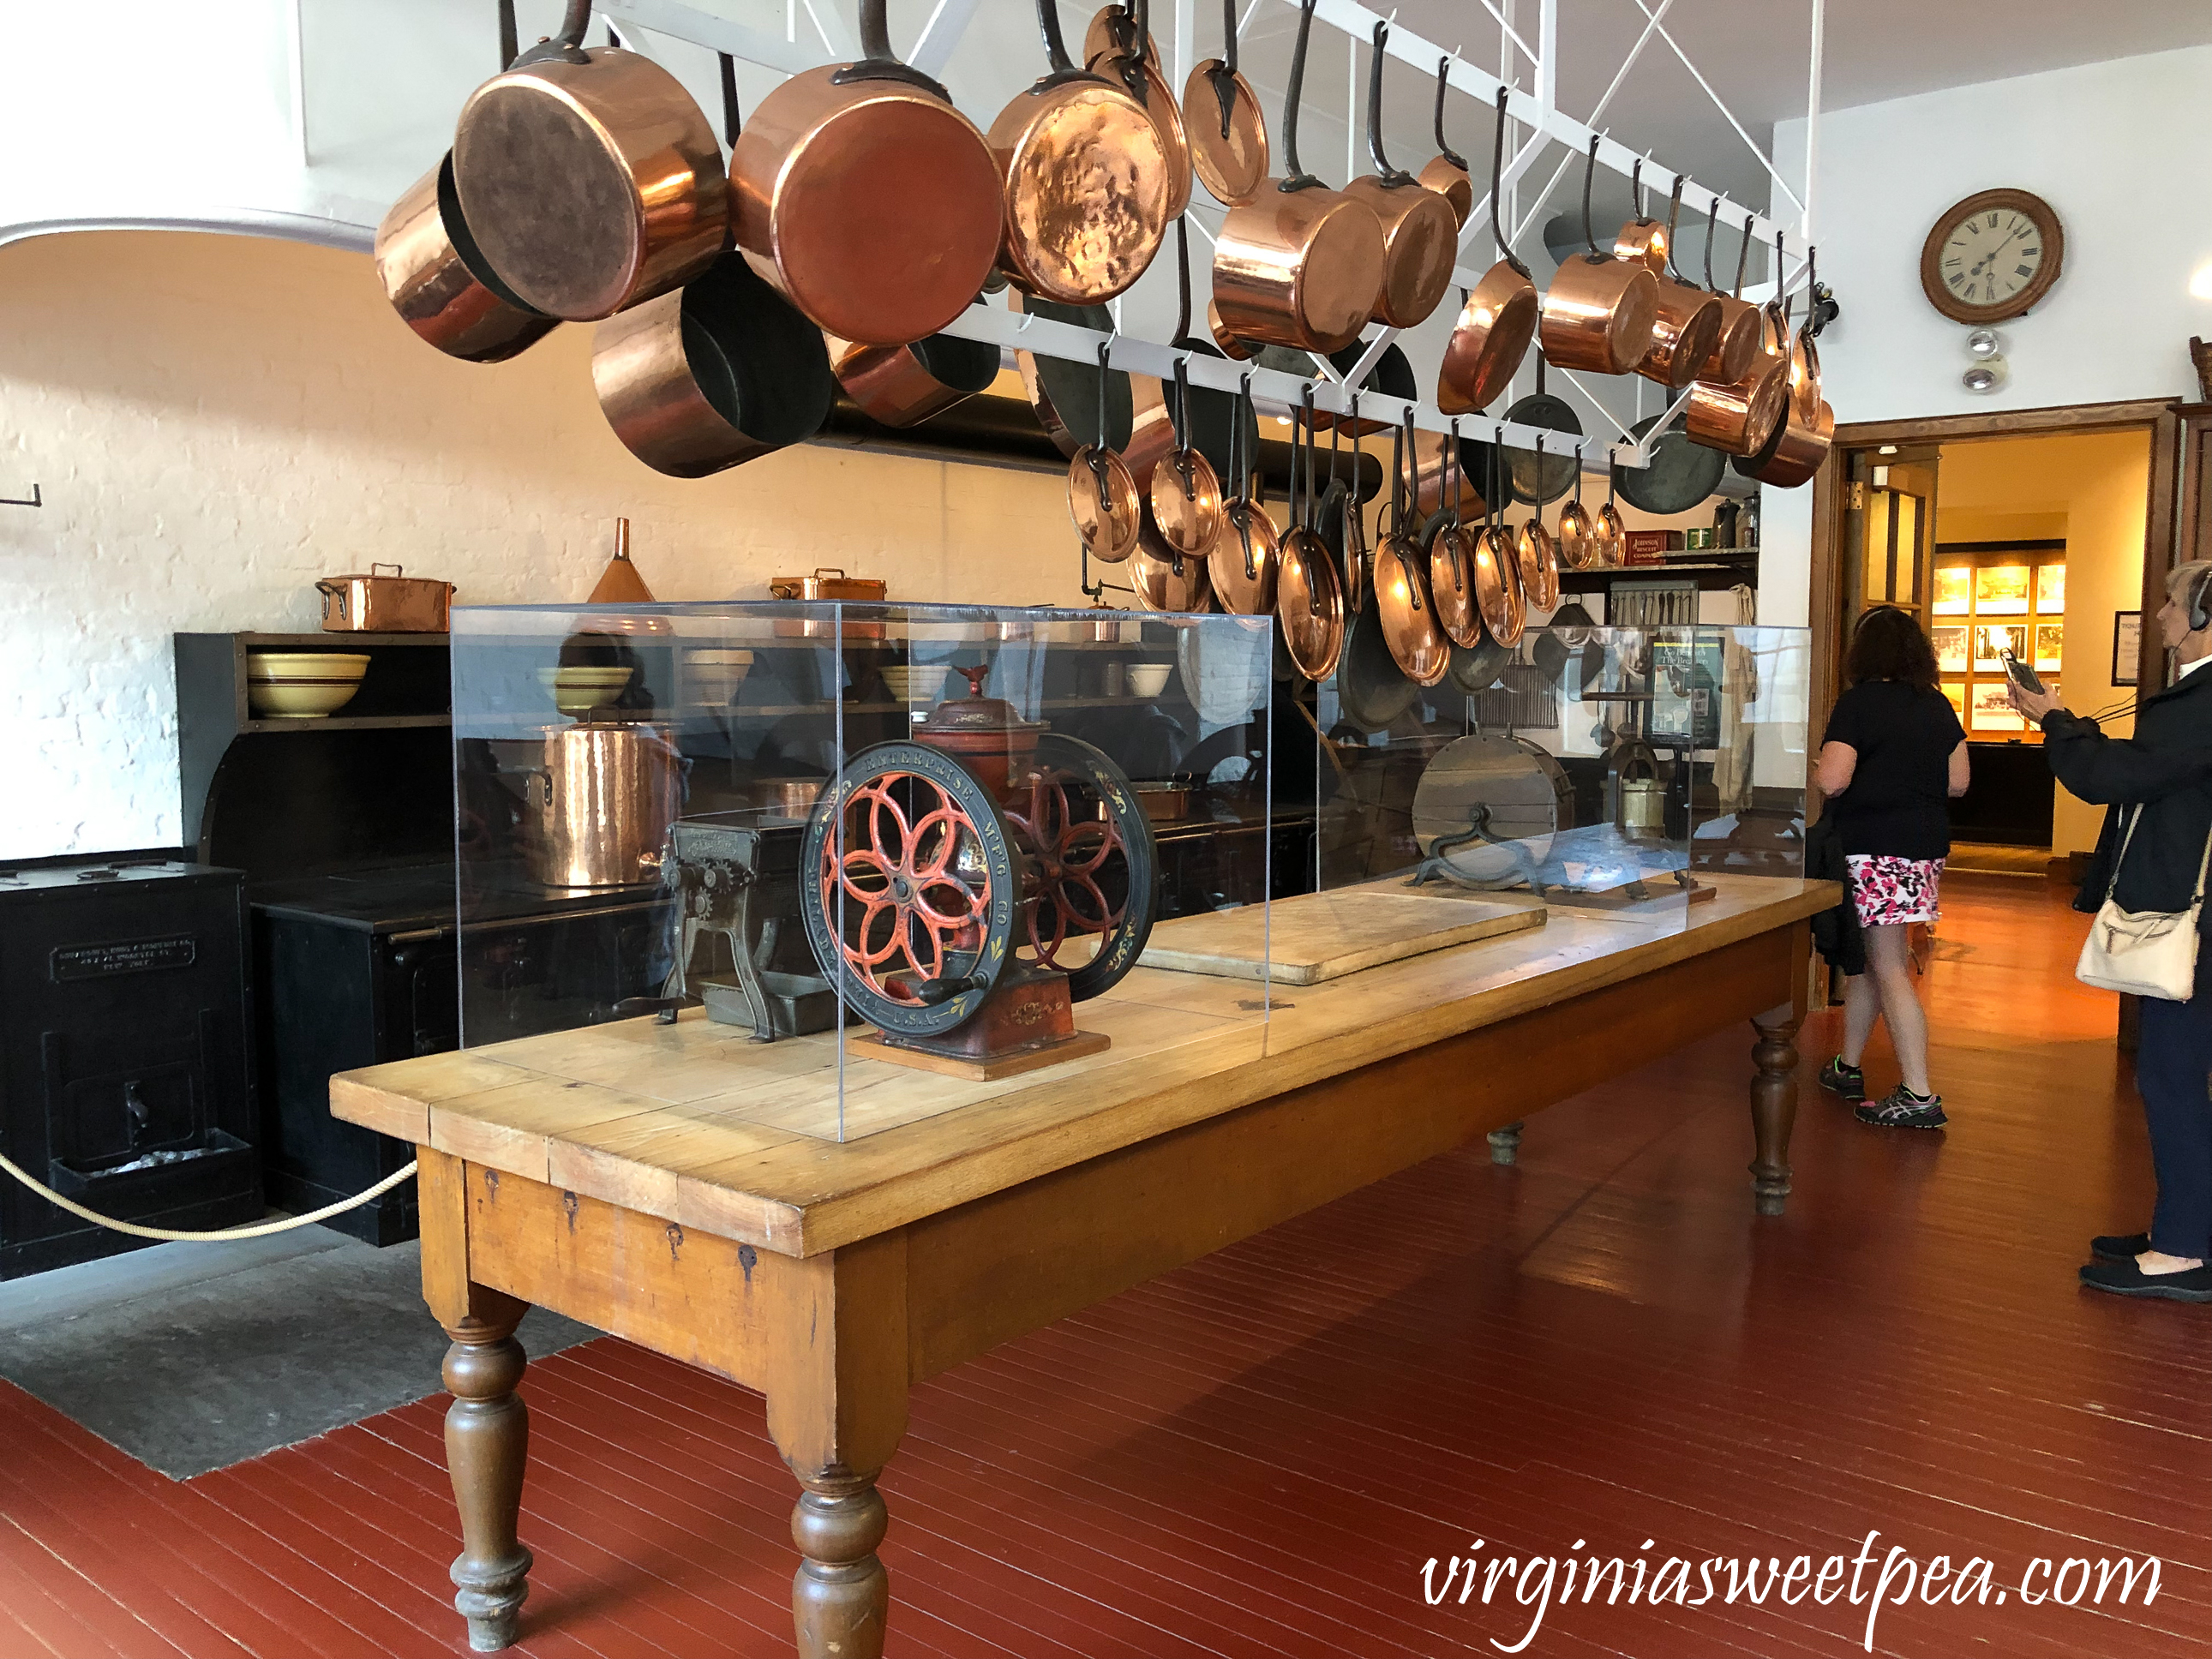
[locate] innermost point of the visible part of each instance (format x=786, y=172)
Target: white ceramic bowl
x=302, y=685
x=1148, y=679
x=921, y=682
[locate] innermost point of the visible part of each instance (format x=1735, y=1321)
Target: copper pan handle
x=567, y=46
x=1497, y=162
x=1222, y=75
x=1297, y=178
x=1389, y=177
x=1060, y=68
x=1443, y=85
x=1589, y=172
x=879, y=63
x=509, y=48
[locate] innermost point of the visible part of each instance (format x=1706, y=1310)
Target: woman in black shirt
x=1894, y=753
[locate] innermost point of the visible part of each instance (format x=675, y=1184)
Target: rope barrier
x=261, y=1229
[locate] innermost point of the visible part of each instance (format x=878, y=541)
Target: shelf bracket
x=32, y=500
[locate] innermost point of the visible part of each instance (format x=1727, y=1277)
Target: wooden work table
x=686, y=1188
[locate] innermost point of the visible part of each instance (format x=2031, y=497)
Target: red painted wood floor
x=1256, y=1455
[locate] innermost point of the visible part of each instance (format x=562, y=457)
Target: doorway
x=2011, y=536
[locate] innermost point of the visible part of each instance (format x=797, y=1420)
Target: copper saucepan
x=1687, y=323
x=1598, y=313
x=590, y=179
x=866, y=197
x=1410, y=625
x=1131, y=58
x=1086, y=181
x=1446, y=173
x=1420, y=234
x=720, y=371
x=1224, y=124
x=903, y=385
x=441, y=283
x=1301, y=264
x=1734, y=352
x=1309, y=600
x=1738, y=416
x=1795, y=451
x=1642, y=240
x=1498, y=320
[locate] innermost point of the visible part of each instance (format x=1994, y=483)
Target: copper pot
x=866, y=197
x=597, y=810
x=1420, y=234
x=1185, y=496
x=1133, y=57
x=1498, y=320
x=1411, y=626
x=717, y=374
x=1575, y=538
x=1451, y=562
x=1643, y=240
x=1301, y=264
x=441, y=285
x=1686, y=325
x=1446, y=173
x=1309, y=596
x=1794, y=451
x=1086, y=182
x=1737, y=347
x=1240, y=566
x=590, y=181
x=1737, y=416
x=1536, y=560
x=903, y=385
x=1598, y=313
x=1224, y=124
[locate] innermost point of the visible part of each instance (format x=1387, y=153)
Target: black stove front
x=126, y=1074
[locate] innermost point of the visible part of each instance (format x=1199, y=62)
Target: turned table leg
x=487, y=1446
x=1773, y=1105
x=1505, y=1144
x=841, y=1596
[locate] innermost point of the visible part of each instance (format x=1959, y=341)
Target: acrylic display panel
x=768, y=844
x=1598, y=768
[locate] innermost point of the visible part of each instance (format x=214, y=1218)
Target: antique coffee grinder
x=966, y=888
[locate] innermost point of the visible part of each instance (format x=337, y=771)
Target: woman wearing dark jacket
x=2165, y=770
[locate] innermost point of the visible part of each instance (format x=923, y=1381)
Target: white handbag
x=2143, y=953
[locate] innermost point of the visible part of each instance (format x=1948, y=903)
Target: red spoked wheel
x=912, y=901
x=1090, y=893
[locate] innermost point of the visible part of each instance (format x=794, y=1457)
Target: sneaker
x=1900, y=1109
x=2118, y=1247
x=2125, y=1278
x=1848, y=1081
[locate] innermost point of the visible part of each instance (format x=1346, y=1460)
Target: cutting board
x=1321, y=936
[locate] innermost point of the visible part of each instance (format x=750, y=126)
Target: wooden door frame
x=2162, y=418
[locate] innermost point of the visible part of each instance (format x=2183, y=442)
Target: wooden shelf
x=343, y=723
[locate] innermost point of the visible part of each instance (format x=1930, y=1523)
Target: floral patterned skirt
x=1887, y=891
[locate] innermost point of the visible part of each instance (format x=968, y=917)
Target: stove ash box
x=125, y=1079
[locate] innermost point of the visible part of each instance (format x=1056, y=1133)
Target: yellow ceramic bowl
x=577, y=691
x=302, y=685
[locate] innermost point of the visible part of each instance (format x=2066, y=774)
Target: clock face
x=1992, y=256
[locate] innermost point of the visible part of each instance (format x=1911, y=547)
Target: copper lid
x=974, y=711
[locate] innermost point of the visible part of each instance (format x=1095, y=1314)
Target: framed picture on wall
x=1954, y=589
x=2127, y=646
x=2001, y=590
x=1993, y=710
x=2050, y=644
x=1956, y=691
x=2051, y=587
x=1993, y=640
x=1950, y=643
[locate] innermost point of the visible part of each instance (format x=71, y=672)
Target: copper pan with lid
x=1130, y=55
x=1300, y=265
x=590, y=179
x=1086, y=181
x=1498, y=321
x=1597, y=314
x=1102, y=499
x=869, y=200
x=1421, y=232
x=1446, y=172
x=1686, y=325
x=1186, y=492
x=1224, y=123
x=1242, y=564
x=1497, y=580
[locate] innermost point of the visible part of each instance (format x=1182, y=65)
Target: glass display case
x=1602, y=769
x=768, y=839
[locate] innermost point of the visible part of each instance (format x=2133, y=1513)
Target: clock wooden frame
x=2031, y=206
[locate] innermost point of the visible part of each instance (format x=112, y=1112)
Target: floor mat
x=196, y=1369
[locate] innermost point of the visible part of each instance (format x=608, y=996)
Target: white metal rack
x=1536, y=109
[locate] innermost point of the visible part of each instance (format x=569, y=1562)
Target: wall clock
x=1992, y=256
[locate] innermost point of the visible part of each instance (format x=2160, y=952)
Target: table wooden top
x=694, y=1123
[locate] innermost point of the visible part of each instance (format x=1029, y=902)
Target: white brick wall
x=217, y=420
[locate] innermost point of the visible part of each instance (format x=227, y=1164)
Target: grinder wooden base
x=1028, y=1022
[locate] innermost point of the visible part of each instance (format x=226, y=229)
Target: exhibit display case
x=932, y=836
